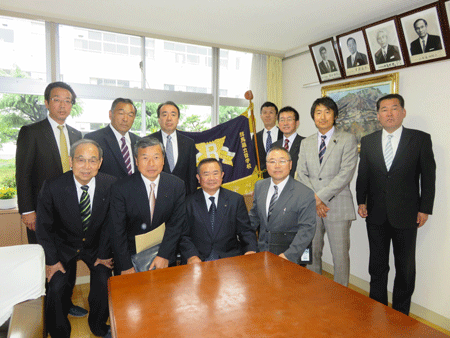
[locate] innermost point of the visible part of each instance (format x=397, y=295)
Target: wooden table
x=260, y=295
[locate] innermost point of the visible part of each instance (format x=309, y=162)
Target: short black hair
x=269, y=104
x=122, y=100
x=169, y=103
x=62, y=85
x=209, y=160
x=327, y=102
x=350, y=38
x=415, y=22
x=389, y=97
x=289, y=109
x=321, y=49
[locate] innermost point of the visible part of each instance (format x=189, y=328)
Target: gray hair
x=148, y=141
x=281, y=149
x=74, y=147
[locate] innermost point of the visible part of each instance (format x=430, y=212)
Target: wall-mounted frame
x=422, y=33
x=326, y=60
x=384, y=45
x=357, y=100
x=354, y=53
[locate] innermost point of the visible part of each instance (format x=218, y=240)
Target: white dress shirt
x=327, y=139
x=208, y=201
x=147, y=183
x=57, y=134
x=91, y=190
x=273, y=135
x=394, y=140
x=280, y=186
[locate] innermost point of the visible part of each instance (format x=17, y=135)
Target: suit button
x=320, y=179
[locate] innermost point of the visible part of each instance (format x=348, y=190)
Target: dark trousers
x=404, y=245
x=59, y=291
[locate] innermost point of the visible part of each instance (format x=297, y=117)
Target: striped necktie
x=388, y=153
x=85, y=207
x=126, y=155
x=273, y=200
x=323, y=148
x=286, y=144
x=268, y=142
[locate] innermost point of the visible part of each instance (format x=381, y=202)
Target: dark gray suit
x=294, y=212
x=294, y=151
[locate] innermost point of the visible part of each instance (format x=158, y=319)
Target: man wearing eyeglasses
x=72, y=225
x=284, y=209
x=42, y=153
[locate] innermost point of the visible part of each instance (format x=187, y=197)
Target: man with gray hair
x=72, y=225
x=386, y=53
x=142, y=202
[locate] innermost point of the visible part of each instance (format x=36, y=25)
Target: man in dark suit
x=395, y=193
x=217, y=220
x=284, y=209
x=425, y=42
x=386, y=53
x=116, y=139
x=269, y=134
x=142, y=202
x=42, y=153
x=180, y=150
x=72, y=224
x=326, y=66
x=289, y=120
x=356, y=58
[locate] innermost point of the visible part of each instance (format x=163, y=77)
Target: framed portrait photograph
x=422, y=32
x=354, y=53
x=357, y=102
x=384, y=45
x=326, y=60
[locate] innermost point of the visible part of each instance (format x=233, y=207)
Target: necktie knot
x=85, y=188
x=61, y=128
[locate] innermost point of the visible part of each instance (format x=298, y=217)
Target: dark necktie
x=273, y=200
x=268, y=142
x=85, y=207
x=423, y=45
x=323, y=148
x=286, y=144
x=212, y=218
x=126, y=155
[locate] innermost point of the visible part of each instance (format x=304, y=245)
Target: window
x=234, y=81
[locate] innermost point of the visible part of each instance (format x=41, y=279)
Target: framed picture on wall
x=357, y=102
x=384, y=45
x=353, y=51
x=422, y=33
x=326, y=60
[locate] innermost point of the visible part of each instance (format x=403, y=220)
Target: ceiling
x=264, y=26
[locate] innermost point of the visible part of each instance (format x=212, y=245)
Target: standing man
x=72, y=225
x=284, y=209
x=425, y=42
x=386, y=53
x=42, y=153
x=142, y=202
x=180, y=150
x=289, y=120
x=395, y=193
x=326, y=165
x=356, y=58
x=217, y=220
x=326, y=66
x=116, y=139
x=270, y=134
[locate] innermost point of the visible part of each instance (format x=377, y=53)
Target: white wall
x=426, y=89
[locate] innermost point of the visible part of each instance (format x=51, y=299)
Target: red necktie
x=286, y=144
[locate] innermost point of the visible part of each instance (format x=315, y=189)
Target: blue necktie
x=212, y=218
x=323, y=148
x=268, y=142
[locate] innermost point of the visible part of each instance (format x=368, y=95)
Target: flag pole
x=249, y=96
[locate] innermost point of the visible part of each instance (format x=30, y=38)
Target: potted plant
x=8, y=192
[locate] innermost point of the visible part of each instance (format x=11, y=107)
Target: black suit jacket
x=113, y=163
x=233, y=234
x=58, y=224
x=360, y=60
x=130, y=215
x=392, y=54
x=37, y=159
x=323, y=69
x=433, y=43
x=186, y=167
x=407, y=188
x=294, y=151
x=262, y=149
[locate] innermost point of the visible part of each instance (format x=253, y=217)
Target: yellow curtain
x=275, y=80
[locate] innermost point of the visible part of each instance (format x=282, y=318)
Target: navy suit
x=393, y=200
x=113, y=162
x=433, y=44
x=130, y=215
x=59, y=231
x=262, y=148
x=294, y=151
x=186, y=167
x=233, y=234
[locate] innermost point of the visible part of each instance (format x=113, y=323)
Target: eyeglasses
x=289, y=119
x=59, y=101
x=82, y=161
x=281, y=162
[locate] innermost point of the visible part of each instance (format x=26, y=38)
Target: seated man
x=68, y=233
x=142, y=202
x=284, y=209
x=217, y=221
